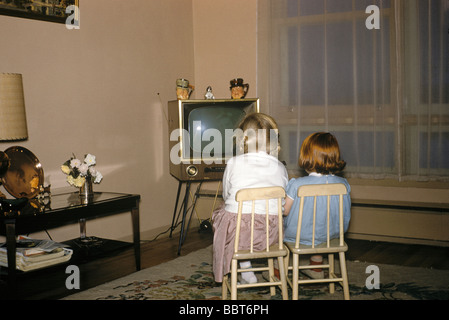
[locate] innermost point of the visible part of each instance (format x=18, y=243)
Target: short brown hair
x=320, y=153
x=250, y=127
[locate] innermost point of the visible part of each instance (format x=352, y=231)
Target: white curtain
x=381, y=89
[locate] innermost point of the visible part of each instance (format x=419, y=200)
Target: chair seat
x=273, y=253
x=321, y=248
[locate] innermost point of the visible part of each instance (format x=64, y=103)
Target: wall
x=225, y=33
x=103, y=90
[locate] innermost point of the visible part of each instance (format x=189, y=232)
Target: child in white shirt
x=257, y=166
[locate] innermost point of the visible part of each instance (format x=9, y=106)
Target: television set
x=201, y=135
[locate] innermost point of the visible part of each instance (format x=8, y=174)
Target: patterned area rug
x=190, y=278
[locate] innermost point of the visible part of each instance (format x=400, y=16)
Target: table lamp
x=13, y=126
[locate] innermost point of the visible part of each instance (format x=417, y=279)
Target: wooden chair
x=330, y=247
x=278, y=250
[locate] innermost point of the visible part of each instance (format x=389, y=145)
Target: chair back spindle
x=316, y=191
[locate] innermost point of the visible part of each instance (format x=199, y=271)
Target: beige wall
x=102, y=89
x=225, y=46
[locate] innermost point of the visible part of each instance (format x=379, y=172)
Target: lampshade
x=13, y=124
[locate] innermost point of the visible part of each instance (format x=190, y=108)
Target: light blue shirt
x=291, y=221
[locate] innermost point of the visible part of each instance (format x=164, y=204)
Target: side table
x=64, y=209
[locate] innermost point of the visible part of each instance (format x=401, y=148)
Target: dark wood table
x=62, y=209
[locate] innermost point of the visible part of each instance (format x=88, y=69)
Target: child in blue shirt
x=320, y=158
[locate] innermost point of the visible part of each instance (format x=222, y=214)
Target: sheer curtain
x=382, y=92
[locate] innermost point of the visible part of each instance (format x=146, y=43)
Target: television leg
x=186, y=229
x=184, y=214
x=176, y=208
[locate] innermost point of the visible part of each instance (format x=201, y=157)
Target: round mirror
x=25, y=174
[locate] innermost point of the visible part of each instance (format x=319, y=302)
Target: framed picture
x=47, y=10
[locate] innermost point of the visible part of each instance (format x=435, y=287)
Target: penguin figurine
x=209, y=94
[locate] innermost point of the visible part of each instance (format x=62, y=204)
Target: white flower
x=83, y=168
x=75, y=163
x=92, y=171
x=98, y=177
x=89, y=160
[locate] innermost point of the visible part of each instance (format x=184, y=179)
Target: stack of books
x=32, y=254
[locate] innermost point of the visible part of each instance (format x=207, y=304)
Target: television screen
x=211, y=129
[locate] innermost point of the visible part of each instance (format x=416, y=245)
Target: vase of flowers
x=82, y=174
x=86, y=191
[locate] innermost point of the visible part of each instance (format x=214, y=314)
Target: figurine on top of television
x=183, y=89
x=209, y=95
x=238, y=88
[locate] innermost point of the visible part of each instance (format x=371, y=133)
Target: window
x=382, y=92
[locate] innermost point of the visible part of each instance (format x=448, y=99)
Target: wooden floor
x=51, y=283
x=362, y=250
x=398, y=254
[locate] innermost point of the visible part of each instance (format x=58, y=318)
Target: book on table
x=32, y=254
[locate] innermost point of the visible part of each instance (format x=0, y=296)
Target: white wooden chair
x=330, y=247
x=277, y=251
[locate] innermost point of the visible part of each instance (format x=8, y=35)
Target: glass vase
x=86, y=192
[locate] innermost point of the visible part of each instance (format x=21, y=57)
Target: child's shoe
x=315, y=273
x=247, y=277
x=311, y=273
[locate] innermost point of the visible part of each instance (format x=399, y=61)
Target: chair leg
x=224, y=288
x=295, y=277
x=283, y=275
x=234, y=279
x=287, y=261
x=271, y=276
x=330, y=258
x=344, y=275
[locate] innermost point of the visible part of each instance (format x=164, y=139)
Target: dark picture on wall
x=47, y=10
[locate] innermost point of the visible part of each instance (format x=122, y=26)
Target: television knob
x=192, y=171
